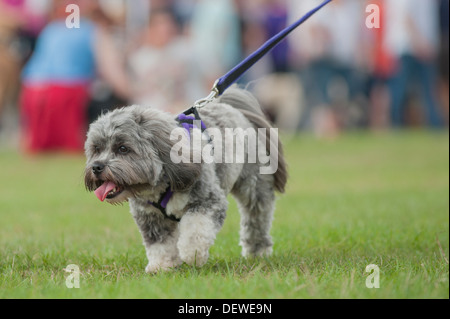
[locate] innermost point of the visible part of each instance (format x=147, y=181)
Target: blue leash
x=234, y=74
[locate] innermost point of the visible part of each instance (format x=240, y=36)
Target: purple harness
x=187, y=122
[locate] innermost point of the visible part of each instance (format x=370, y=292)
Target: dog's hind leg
x=160, y=236
x=256, y=201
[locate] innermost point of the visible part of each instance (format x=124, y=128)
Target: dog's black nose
x=97, y=168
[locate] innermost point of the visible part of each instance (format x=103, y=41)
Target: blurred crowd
x=336, y=72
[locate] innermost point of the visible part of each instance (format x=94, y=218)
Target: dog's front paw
x=194, y=257
x=197, y=234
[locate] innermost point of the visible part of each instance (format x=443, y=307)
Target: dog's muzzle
x=97, y=168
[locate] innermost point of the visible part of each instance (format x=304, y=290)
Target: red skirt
x=54, y=117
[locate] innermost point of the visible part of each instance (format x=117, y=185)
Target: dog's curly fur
x=143, y=170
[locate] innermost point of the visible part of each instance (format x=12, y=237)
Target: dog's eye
x=123, y=149
x=97, y=149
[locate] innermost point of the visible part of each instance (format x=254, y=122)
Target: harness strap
x=187, y=122
x=162, y=204
x=187, y=118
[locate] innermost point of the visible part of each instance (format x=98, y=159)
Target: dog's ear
x=182, y=175
x=160, y=125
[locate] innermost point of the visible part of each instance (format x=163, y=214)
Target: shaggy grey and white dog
x=128, y=159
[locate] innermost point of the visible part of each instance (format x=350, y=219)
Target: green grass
x=361, y=199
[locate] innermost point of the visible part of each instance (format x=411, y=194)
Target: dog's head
x=128, y=155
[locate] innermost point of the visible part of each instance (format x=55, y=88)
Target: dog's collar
x=186, y=120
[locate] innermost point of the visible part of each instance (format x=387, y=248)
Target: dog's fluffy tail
x=247, y=104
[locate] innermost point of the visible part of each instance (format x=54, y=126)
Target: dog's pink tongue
x=104, y=189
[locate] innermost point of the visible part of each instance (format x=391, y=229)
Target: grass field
x=361, y=199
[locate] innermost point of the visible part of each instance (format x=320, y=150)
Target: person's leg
x=69, y=117
x=397, y=85
x=34, y=121
x=428, y=83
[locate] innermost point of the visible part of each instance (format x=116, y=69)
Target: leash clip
x=212, y=95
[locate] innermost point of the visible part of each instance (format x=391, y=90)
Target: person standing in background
x=159, y=66
x=444, y=58
x=381, y=66
x=56, y=80
x=413, y=39
x=20, y=23
x=326, y=55
x=215, y=39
